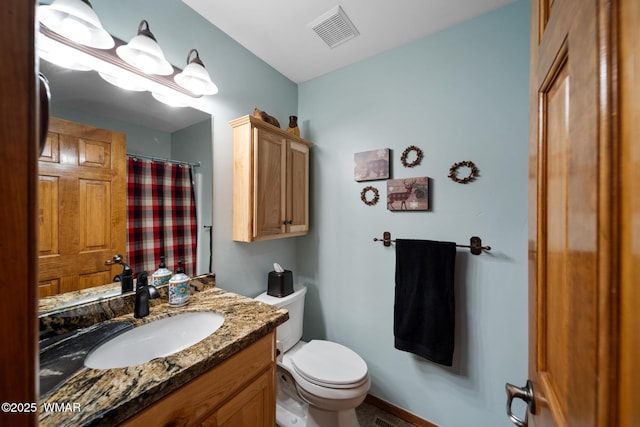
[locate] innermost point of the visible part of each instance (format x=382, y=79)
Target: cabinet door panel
x=298, y=188
x=252, y=407
x=270, y=184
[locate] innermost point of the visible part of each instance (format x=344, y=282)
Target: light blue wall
x=460, y=94
x=245, y=82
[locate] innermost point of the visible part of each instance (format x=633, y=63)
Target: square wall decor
x=371, y=165
x=408, y=194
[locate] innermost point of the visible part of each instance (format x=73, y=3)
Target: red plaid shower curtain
x=161, y=216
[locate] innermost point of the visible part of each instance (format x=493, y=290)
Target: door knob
x=524, y=393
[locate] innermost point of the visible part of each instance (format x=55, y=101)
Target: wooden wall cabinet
x=270, y=182
x=240, y=392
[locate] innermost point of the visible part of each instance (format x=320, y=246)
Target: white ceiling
x=278, y=31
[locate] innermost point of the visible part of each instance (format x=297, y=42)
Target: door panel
x=82, y=206
x=554, y=286
x=270, y=184
x=298, y=191
x=570, y=307
x=629, y=253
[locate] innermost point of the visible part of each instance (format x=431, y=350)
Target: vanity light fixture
x=144, y=53
x=77, y=21
x=139, y=65
x=195, y=77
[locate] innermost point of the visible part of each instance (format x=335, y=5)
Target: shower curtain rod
x=160, y=159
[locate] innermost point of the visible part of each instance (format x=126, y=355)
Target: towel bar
x=475, y=244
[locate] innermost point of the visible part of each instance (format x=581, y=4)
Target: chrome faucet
x=144, y=292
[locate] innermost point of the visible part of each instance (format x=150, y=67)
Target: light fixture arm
x=196, y=59
x=145, y=31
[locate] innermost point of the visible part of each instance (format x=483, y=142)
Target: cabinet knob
x=287, y=222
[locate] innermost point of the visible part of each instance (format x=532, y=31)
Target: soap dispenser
x=162, y=275
x=179, y=287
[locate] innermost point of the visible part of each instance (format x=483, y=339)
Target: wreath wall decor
x=405, y=154
x=374, y=199
x=473, y=174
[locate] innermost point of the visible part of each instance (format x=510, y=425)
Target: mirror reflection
x=84, y=178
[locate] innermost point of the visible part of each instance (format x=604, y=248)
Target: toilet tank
x=290, y=332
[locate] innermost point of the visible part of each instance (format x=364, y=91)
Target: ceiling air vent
x=334, y=27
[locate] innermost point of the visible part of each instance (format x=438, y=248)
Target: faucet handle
x=143, y=280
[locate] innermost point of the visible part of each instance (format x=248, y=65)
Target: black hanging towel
x=424, y=309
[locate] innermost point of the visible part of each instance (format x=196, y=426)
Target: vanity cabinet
x=270, y=181
x=238, y=392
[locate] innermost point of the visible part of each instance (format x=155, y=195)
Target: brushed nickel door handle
x=524, y=393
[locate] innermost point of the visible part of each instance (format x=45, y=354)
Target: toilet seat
x=329, y=364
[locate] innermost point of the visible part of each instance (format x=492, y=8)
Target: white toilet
x=320, y=383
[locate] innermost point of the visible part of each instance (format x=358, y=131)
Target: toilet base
x=293, y=411
x=286, y=417
x=290, y=416
x=320, y=418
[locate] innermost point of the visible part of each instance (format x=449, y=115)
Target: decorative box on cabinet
x=270, y=181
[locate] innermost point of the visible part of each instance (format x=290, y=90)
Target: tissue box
x=280, y=283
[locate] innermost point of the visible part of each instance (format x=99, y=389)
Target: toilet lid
x=329, y=363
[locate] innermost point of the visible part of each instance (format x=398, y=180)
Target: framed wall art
x=408, y=194
x=371, y=165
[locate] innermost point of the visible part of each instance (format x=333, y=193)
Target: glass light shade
x=144, y=53
x=75, y=20
x=60, y=54
x=170, y=100
x=195, y=77
x=127, y=82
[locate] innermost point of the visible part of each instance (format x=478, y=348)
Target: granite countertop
x=107, y=397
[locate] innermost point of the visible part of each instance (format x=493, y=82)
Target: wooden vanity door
x=252, y=407
x=81, y=207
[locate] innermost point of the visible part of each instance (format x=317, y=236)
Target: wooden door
x=297, y=188
x=81, y=207
x=270, y=184
x=628, y=102
x=573, y=239
x=19, y=122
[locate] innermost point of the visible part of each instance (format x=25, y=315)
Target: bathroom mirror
x=84, y=97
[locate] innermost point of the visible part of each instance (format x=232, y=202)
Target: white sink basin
x=160, y=338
